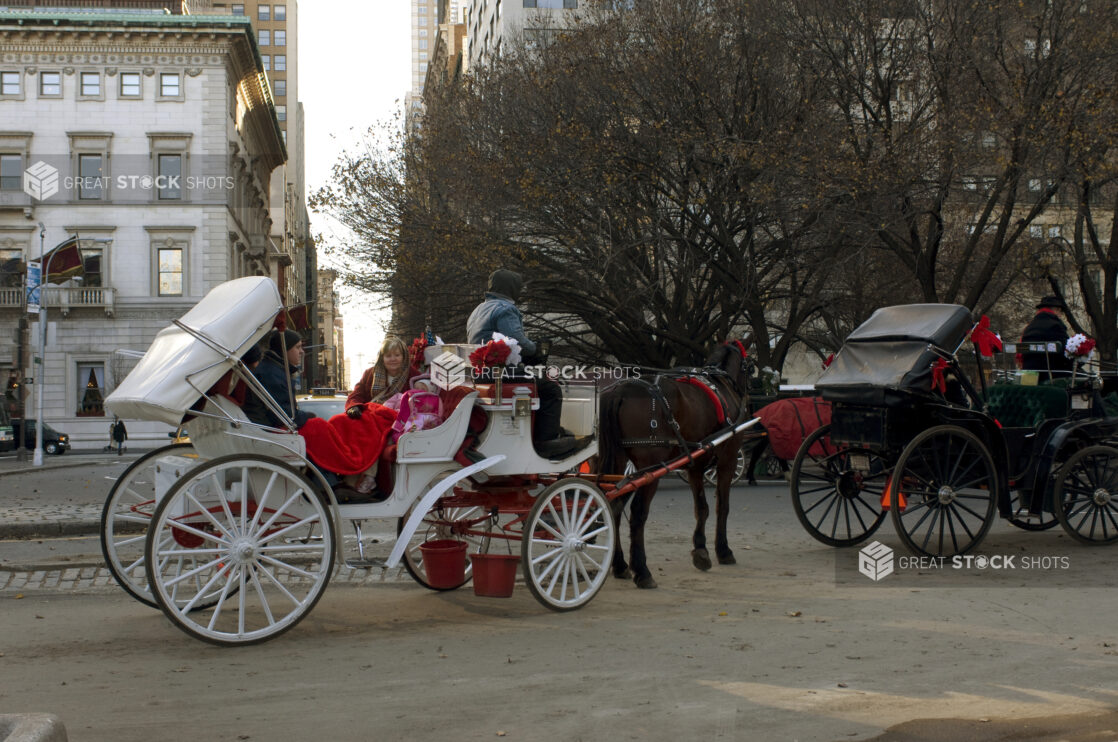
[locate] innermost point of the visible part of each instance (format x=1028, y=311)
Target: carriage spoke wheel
x=568, y=544
x=1086, y=495
x=445, y=523
x=125, y=518
x=711, y=473
x=250, y=531
x=944, y=492
x=836, y=491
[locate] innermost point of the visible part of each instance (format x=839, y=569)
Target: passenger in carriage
x=1047, y=327
x=498, y=313
x=389, y=376
x=272, y=372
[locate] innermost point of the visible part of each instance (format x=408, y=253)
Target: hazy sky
x=354, y=70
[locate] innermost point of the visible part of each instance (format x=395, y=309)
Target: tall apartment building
x=331, y=369
x=490, y=22
x=153, y=139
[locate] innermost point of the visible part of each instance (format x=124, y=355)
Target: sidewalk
x=48, y=519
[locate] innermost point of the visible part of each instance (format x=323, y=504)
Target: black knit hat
x=290, y=337
x=252, y=355
x=1050, y=302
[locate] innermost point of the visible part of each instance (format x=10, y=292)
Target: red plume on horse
x=665, y=415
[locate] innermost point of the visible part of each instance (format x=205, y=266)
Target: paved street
x=780, y=646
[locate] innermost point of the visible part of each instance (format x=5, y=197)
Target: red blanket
x=345, y=445
x=789, y=421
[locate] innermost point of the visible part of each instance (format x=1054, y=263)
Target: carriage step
x=367, y=563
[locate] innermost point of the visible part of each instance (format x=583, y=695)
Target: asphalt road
x=780, y=646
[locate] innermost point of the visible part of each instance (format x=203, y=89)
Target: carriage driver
x=1047, y=326
x=498, y=313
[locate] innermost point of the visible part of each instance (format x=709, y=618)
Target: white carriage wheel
x=568, y=544
x=125, y=518
x=269, y=562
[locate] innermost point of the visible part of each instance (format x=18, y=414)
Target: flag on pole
x=65, y=262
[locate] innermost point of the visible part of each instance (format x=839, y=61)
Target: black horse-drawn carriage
x=919, y=430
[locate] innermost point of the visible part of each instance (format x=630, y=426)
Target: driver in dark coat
x=498, y=313
x=1047, y=327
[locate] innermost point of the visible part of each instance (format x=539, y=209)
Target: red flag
x=63, y=262
x=299, y=317
x=986, y=340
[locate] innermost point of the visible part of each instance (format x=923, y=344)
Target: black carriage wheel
x=944, y=492
x=837, y=493
x=1086, y=495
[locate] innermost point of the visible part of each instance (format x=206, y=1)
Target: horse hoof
x=727, y=559
x=701, y=559
x=645, y=583
x=624, y=574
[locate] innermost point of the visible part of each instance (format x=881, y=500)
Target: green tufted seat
x=1017, y=406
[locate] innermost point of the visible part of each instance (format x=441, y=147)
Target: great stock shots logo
x=40, y=181
x=876, y=561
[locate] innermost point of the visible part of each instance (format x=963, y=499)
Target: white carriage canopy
x=180, y=365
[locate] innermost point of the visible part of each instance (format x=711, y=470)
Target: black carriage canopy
x=890, y=355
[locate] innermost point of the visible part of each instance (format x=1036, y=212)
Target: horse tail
x=611, y=455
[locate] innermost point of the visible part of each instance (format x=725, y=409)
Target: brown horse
x=649, y=422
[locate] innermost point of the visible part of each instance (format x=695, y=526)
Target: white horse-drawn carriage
x=236, y=534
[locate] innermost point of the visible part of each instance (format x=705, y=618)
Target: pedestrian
x=120, y=435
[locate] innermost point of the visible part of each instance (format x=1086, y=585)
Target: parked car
x=323, y=402
x=54, y=442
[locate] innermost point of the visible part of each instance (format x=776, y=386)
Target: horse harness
x=695, y=377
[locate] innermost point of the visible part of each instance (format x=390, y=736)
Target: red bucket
x=494, y=574
x=444, y=561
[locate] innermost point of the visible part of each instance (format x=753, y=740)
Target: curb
x=49, y=529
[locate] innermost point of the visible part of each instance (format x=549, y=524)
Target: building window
x=281, y=38
x=1036, y=231
x=91, y=389
x=50, y=84
x=91, y=84
x=12, y=268
x=9, y=83
x=264, y=37
x=284, y=134
x=93, y=264
x=169, y=177
x=130, y=85
x=90, y=177
x=281, y=62
x=169, y=278
x=11, y=172
x=1054, y=231
x=281, y=88
x=280, y=12
x=281, y=113
x=170, y=85
x=423, y=43
x=238, y=9
x=264, y=13
x=267, y=59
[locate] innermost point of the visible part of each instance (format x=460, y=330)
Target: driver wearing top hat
x=1047, y=326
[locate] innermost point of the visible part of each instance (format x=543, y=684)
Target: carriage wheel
x=568, y=544
x=268, y=561
x=125, y=518
x=445, y=523
x=945, y=491
x=1041, y=522
x=837, y=492
x=711, y=473
x=1086, y=495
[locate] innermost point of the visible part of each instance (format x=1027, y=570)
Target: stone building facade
x=152, y=138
